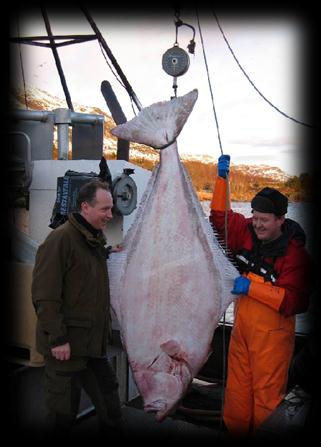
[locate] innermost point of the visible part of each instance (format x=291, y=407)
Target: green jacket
x=70, y=291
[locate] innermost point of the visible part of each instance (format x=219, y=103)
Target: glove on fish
x=223, y=165
x=241, y=286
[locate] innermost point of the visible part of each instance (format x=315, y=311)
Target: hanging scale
x=175, y=60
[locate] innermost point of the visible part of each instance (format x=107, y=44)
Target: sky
x=269, y=48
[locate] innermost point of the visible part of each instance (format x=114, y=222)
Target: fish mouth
x=159, y=407
x=156, y=405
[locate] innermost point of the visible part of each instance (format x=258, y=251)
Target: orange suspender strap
x=264, y=292
x=219, y=196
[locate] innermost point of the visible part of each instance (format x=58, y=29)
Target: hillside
x=245, y=180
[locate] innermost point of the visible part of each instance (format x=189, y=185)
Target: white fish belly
x=169, y=287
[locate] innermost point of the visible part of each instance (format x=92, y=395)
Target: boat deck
x=27, y=414
x=197, y=417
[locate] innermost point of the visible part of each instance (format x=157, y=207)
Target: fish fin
x=159, y=124
x=173, y=349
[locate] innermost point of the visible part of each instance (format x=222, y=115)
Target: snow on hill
x=263, y=170
x=253, y=170
x=38, y=99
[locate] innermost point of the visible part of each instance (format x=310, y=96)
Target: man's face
x=99, y=213
x=267, y=226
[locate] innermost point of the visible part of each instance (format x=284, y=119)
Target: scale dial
x=175, y=61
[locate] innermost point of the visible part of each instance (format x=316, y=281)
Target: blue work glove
x=241, y=286
x=223, y=165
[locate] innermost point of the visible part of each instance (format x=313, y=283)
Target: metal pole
x=112, y=58
x=118, y=116
x=57, y=60
x=62, y=120
x=30, y=115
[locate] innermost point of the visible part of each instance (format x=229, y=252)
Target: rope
x=117, y=77
x=113, y=60
x=252, y=83
x=223, y=370
x=109, y=65
x=225, y=222
x=224, y=323
x=209, y=83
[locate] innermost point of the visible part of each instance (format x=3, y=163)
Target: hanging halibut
x=171, y=283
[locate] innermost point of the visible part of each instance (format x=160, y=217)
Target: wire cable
x=209, y=83
x=117, y=77
x=252, y=83
x=109, y=65
x=225, y=224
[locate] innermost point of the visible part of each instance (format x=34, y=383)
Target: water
x=302, y=213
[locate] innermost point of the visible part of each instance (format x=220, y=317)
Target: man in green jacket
x=70, y=293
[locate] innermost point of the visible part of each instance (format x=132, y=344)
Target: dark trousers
x=63, y=384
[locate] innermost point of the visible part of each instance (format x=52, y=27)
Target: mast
x=129, y=88
x=57, y=59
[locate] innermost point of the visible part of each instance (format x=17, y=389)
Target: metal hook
x=178, y=23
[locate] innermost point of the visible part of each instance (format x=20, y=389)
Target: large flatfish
x=171, y=283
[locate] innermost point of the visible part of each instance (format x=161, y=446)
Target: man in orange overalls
x=274, y=286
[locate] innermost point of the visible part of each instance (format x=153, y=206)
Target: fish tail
x=159, y=124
